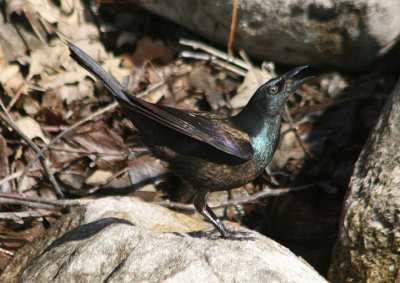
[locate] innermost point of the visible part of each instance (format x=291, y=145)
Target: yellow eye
x=273, y=89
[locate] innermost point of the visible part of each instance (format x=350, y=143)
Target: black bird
x=211, y=151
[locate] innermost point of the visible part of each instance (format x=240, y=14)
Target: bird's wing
x=200, y=127
x=218, y=133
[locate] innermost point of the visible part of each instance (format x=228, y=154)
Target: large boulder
x=127, y=240
x=368, y=247
x=347, y=33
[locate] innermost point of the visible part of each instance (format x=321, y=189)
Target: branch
x=46, y=169
x=233, y=26
x=213, y=51
x=266, y=192
x=296, y=134
x=214, y=60
x=18, y=216
x=35, y=201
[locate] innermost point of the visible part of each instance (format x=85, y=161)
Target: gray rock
x=345, y=33
x=127, y=240
x=368, y=246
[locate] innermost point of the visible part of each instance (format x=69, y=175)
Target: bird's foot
x=237, y=236
x=215, y=234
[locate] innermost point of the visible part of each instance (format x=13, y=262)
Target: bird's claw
x=228, y=235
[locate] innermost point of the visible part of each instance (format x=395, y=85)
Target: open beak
x=292, y=85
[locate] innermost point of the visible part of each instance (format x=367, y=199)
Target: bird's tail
x=83, y=59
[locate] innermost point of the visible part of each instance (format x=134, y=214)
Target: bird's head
x=270, y=98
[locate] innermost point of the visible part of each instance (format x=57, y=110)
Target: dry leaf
x=30, y=105
x=289, y=148
x=48, y=59
x=148, y=49
x=31, y=128
x=158, y=93
x=146, y=169
x=98, y=177
x=75, y=23
x=8, y=73
x=113, y=66
x=43, y=8
x=200, y=78
x=255, y=77
x=215, y=99
x=69, y=93
x=11, y=79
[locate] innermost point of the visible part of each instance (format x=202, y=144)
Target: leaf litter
x=46, y=93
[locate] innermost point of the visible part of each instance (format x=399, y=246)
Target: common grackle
x=211, y=151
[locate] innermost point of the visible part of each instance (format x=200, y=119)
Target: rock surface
x=349, y=34
x=125, y=239
x=368, y=248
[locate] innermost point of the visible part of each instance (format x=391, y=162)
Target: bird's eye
x=273, y=89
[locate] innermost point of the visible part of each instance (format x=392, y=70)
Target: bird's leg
x=202, y=207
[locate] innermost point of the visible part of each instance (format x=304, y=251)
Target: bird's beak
x=292, y=85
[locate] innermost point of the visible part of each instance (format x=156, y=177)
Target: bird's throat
x=264, y=143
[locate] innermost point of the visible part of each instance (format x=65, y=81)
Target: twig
x=87, y=152
x=177, y=205
x=214, y=60
x=5, y=110
x=233, y=26
x=266, y=192
x=46, y=169
x=14, y=176
x=25, y=203
x=296, y=134
x=18, y=216
x=36, y=27
x=15, y=97
x=102, y=184
x=273, y=180
x=213, y=51
x=4, y=251
x=331, y=103
x=29, y=201
x=246, y=58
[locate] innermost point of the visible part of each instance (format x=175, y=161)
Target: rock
x=345, y=33
x=127, y=240
x=368, y=246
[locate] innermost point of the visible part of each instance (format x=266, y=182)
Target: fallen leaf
x=158, y=93
x=200, y=78
x=255, y=77
x=8, y=73
x=147, y=49
x=215, y=99
x=113, y=66
x=146, y=169
x=30, y=105
x=31, y=128
x=98, y=177
x=289, y=148
x=48, y=59
x=4, y=165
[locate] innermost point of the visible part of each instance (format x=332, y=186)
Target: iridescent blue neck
x=265, y=142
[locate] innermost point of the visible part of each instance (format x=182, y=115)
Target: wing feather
x=197, y=126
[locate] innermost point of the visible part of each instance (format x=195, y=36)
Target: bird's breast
x=265, y=143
